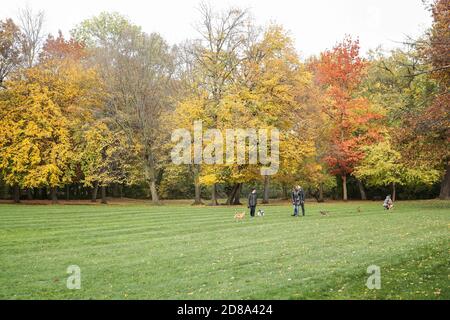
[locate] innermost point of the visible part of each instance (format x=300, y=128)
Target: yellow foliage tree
x=42, y=111
x=106, y=157
x=35, y=142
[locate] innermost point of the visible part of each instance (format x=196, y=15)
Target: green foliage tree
x=137, y=71
x=105, y=158
x=383, y=166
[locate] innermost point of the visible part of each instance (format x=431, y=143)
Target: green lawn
x=184, y=252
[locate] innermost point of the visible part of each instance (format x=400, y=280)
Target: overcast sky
x=314, y=24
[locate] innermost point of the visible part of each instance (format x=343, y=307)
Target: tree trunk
x=445, y=184
x=54, y=194
x=16, y=193
x=232, y=194
x=361, y=190
x=266, y=190
x=198, y=199
x=115, y=190
x=393, y=191
x=214, y=195
x=6, y=192
x=75, y=191
x=67, y=192
x=30, y=194
x=45, y=193
x=151, y=177
x=39, y=194
x=321, y=193
x=94, y=192
x=344, y=188
x=285, y=191
x=154, y=192
x=103, y=192
x=237, y=195
x=197, y=187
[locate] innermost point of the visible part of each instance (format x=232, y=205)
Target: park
x=177, y=251
x=250, y=155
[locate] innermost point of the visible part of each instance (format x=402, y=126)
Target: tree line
x=95, y=111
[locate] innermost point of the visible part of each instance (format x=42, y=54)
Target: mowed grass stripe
x=192, y=244
x=154, y=217
x=150, y=230
x=147, y=229
x=142, y=231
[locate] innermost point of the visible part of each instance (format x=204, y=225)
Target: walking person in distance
x=252, y=201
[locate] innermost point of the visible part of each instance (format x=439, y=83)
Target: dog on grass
x=239, y=216
x=260, y=213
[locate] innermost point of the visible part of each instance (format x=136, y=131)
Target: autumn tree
x=105, y=158
x=437, y=44
x=432, y=126
x=10, y=48
x=400, y=83
x=60, y=49
x=384, y=166
x=43, y=108
x=218, y=55
x=263, y=90
x=272, y=88
x=35, y=145
x=340, y=72
x=316, y=126
x=137, y=70
x=412, y=86
x=189, y=109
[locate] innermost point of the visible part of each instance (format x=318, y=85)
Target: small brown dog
x=239, y=216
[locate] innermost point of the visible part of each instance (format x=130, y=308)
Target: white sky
x=314, y=24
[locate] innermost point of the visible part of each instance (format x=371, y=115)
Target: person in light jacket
x=388, y=204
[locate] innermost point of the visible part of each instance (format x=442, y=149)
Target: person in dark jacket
x=252, y=201
x=298, y=199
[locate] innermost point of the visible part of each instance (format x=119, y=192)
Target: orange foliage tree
x=352, y=119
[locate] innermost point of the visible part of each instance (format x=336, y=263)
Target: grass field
x=185, y=252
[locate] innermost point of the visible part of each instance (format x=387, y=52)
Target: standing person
x=252, y=201
x=302, y=199
x=298, y=199
x=295, y=201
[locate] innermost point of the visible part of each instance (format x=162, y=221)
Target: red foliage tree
x=60, y=48
x=339, y=71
